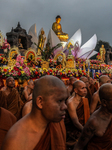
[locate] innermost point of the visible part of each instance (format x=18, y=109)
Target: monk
x=13, y=100
x=70, y=87
x=27, y=92
x=97, y=134
x=27, y=108
x=95, y=102
x=92, y=85
x=7, y=119
x=89, y=93
x=43, y=128
x=78, y=112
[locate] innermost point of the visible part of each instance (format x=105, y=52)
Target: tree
x=98, y=46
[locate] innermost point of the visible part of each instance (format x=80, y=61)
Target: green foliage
x=98, y=46
x=48, y=51
x=100, y=43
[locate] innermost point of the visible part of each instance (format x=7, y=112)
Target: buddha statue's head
x=58, y=19
x=19, y=40
x=42, y=32
x=102, y=46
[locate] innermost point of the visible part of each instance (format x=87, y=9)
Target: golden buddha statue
x=41, y=42
x=56, y=27
x=70, y=63
x=20, y=44
x=102, y=53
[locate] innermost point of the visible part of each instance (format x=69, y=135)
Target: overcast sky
x=91, y=16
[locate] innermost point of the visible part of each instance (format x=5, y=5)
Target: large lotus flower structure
x=85, y=51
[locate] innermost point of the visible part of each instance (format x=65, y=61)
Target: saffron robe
x=3, y=102
x=54, y=137
x=7, y=119
x=14, y=103
x=101, y=143
x=89, y=95
x=83, y=114
x=93, y=89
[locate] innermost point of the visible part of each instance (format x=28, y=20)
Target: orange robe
x=3, y=102
x=83, y=114
x=7, y=119
x=96, y=85
x=89, y=95
x=14, y=103
x=101, y=143
x=54, y=138
x=93, y=89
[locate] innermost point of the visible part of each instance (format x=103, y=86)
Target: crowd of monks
x=50, y=114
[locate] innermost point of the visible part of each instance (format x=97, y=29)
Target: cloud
x=90, y=16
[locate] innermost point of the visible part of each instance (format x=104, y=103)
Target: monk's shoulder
x=3, y=88
x=15, y=137
x=72, y=104
x=93, y=121
x=17, y=130
x=95, y=95
x=71, y=100
x=27, y=108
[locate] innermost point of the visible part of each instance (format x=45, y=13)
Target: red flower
x=36, y=72
x=50, y=70
x=16, y=69
x=19, y=73
x=48, y=73
x=5, y=70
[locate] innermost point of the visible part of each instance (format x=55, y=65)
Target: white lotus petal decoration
x=89, y=54
x=77, y=37
x=92, y=54
x=88, y=46
x=33, y=32
x=54, y=40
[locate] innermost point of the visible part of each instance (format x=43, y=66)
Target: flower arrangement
x=61, y=73
x=80, y=60
x=95, y=61
x=97, y=75
x=18, y=71
x=3, y=60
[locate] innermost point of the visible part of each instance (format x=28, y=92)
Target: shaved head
x=105, y=91
x=10, y=82
x=104, y=79
x=79, y=88
x=7, y=80
x=46, y=86
x=85, y=80
x=72, y=80
x=77, y=84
